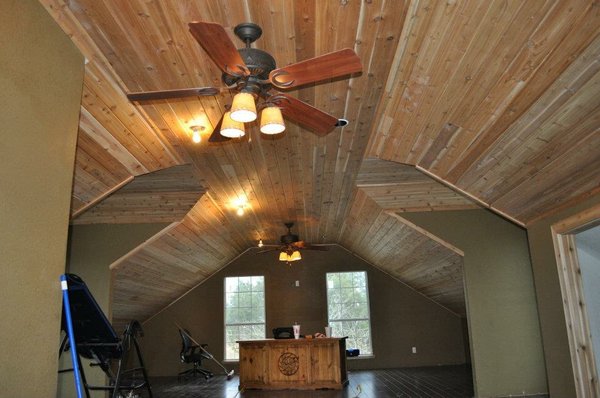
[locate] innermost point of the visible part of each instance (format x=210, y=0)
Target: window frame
x=225, y=324
x=368, y=307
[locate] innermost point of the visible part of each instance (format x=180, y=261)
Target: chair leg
x=197, y=370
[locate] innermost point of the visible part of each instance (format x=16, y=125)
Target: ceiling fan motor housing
x=289, y=238
x=260, y=63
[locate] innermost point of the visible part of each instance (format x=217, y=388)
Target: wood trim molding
x=426, y=233
x=470, y=196
x=100, y=198
x=569, y=273
x=117, y=263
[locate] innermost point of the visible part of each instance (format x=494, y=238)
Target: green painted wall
x=92, y=249
x=400, y=317
x=41, y=77
x=506, y=346
x=549, y=298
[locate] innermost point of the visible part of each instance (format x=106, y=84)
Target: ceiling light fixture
x=231, y=128
x=243, y=108
x=240, y=210
x=289, y=256
x=260, y=243
x=196, y=130
x=271, y=121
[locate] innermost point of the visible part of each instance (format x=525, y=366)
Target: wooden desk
x=303, y=364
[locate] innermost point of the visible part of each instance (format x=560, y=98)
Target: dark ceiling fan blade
x=214, y=40
x=216, y=134
x=278, y=248
x=328, y=66
x=308, y=116
x=167, y=94
x=315, y=247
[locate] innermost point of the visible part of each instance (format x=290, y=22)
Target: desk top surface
x=288, y=341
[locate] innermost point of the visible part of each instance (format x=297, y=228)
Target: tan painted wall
x=549, y=298
x=506, y=346
x=92, y=248
x=41, y=75
x=400, y=317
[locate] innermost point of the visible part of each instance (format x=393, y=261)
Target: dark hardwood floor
x=442, y=382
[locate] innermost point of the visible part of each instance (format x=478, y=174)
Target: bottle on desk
x=296, y=330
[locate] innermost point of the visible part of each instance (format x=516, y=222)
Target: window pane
x=231, y=284
x=258, y=284
x=245, y=299
x=231, y=315
x=346, y=279
x=245, y=284
x=348, y=308
x=244, y=312
x=231, y=300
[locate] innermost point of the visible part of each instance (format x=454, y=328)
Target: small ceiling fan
x=253, y=74
x=289, y=249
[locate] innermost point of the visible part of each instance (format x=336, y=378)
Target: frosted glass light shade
x=283, y=256
x=243, y=108
x=271, y=121
x=295, y=256
x=230, y=128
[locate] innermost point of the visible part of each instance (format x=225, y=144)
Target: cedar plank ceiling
x=496, y=100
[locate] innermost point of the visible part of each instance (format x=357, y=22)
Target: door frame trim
x=569, y=274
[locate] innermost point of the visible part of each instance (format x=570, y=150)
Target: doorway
x=578, y=267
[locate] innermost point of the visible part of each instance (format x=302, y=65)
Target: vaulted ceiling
x=459, y=105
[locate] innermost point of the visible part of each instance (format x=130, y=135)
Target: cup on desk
x=296, y=331
x=328, y=331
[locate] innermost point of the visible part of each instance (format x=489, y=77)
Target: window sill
x=361, y=357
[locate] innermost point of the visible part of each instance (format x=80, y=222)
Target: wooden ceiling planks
x=497, y=100
x=173, y=261
x=501, y=65
x=162, y=196
x=402, y=188
x=406, y=252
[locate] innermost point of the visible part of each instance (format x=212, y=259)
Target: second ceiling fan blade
x=308, y=116
x=214, y=40
x=168, y=94
x=328, y=66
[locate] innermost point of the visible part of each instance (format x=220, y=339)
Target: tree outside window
x=244, y=312
x=348, y=309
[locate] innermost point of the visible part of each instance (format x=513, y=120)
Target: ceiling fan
x=289, y=249
x=253, y=74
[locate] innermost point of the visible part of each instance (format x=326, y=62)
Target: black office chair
x=191, y=353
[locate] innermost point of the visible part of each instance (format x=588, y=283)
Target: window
x=244, y=312
x=348, y=309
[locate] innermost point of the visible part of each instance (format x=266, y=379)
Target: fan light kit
x=287, y=257
x=290, y=247
x=231, y=128
x=252, y=74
